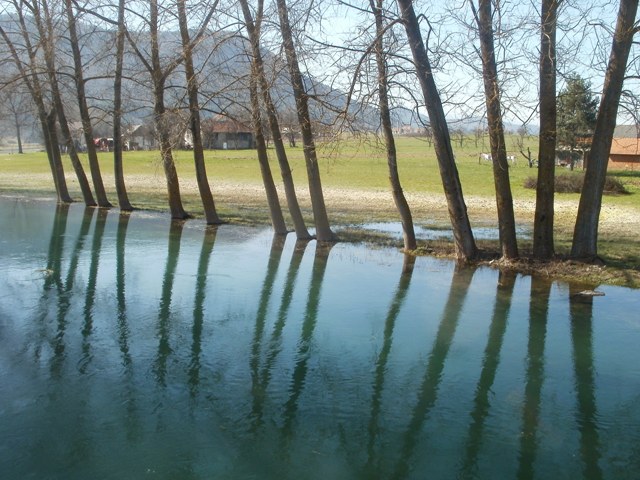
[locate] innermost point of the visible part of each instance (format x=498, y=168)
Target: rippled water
x=131, y=347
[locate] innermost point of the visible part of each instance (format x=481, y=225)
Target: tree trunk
x=585, y=235
x=321, y=220
x=87, y=129
x=53, y=152
x=463, y=236
x=543, y=247
x=83, y=182
x=194, y=120
x=504, y=199
x=18, y=132
x=253, y=29
x=121, y=189
x=408, y=232
x=160, y=120
x=35, y=89
x=277, y=220
x=46, y=35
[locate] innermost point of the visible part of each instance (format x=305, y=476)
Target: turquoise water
x=131, y=347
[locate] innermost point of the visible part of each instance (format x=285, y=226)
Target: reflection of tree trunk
x=164, y=349
x=581, y=310
x=194, y=119
x=277, y=220
x=65, y=295
x=54, y=257
x=464, y=242
x=123, y=328
x=538, y=313
x=504, y=199
x=543, y=247
x=274, y=345
x=490, y=364
x=308, y=327
x=83, y=108
x=372, y=469
x=323, y=229
x=585, y=235
x=408, y=232
x=121, y=189
x=257, y=392
x=208, y=241
x=428, y=392
x=90, y=294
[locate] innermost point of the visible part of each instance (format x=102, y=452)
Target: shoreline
x=352, y=208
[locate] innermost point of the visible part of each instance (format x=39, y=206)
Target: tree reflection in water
x=208, y=241
x=538, y=313
x=240, y=349
x=490, y=363
x=581, y=312
x=164, y=313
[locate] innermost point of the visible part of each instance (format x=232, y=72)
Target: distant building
x=625, y=148
x=224, y=133
x=139, y=137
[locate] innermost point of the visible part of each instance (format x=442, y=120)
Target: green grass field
x=359, y=164
x=351, y=164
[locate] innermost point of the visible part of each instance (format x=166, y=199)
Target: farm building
x=625, y=154
x=224, y=133
x=625, y=148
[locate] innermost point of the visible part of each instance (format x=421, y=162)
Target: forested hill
x=222, y=65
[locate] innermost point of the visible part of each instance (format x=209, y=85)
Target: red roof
x=222, y=124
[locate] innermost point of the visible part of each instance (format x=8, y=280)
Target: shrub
x=613, y=186
x=572, y=183
x=569, y=183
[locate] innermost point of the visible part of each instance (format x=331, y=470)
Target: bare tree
x=253, y=29
x=44, y=22
x=29, y=74
x=277, y=220
x=543, y=246
x=194, y=110
x=16, y=104
x=321, y=220
x=504, y=199
x=402, y=205
x=463, y=236
x=87, y=128
x=162, y=119
x=585, y=235
x=121, y=189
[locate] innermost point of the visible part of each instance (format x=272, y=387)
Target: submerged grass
x=355, y=172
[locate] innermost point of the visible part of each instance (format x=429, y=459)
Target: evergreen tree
x=576, y=109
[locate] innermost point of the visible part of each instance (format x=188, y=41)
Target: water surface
x=133, y=347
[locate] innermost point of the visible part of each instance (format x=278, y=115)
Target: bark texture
x=504, y=199
x=463, y=236
x=585, y=235
x=543, y=245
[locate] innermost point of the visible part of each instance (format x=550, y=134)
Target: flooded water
x=131, y=347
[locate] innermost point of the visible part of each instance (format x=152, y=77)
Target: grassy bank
x=355, y=179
